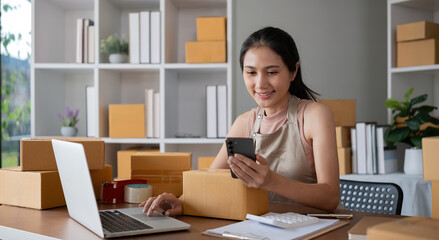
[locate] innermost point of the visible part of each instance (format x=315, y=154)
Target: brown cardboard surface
x=206, y=52
x=343, y=136
x=417, y=53
x=163, y=171
x=214, y=193
x=417, y=31
x=205, y=162
x=344, y=111
x=435, y=199
x=430, y=161
x=126, y=120
x=409, y=228
x=124, y=161
x=359, y=230
x=36, y=153
x=41, y=189
x=344, y=160
x=211, y=28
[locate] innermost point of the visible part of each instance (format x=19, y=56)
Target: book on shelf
x=371, y=159
x=156, y=115
x=361, y=147
x=222, y=110
x=85, y=48
x=91, y=44
x=211, y=111
x=149, y=112
x=387, y=157
x=91, y=112
x=145, y=37
x=354, y=150
x=133, y=19
x=79, y=39
x=155, y=36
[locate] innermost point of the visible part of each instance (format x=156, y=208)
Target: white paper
x=15, y=234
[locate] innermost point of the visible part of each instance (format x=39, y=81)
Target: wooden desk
x=57, y=223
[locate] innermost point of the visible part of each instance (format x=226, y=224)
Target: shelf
x=125, y=67
x=132, y=140
x=430, y=69
x=200, y=67
x=65, y=67
x=424, y=5
x=194, y=140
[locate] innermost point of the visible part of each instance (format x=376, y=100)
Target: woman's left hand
x=252, y=174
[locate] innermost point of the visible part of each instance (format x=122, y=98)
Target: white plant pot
x=413, y=161
x=117, y=58
x=69, y=131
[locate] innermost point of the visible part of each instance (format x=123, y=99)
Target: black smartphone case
x=242, y=146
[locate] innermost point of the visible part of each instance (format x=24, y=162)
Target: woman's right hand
x=165, y=203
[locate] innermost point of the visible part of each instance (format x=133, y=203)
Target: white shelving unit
x=425, y=79
x=57, y=81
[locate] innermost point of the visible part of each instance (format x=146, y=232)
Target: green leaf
x=430, y=132
x=397, y=135
x=425, y=108
x=393, y=104
x=418, y=99
x=413, y=123
x=416, y=141
x=407, y=94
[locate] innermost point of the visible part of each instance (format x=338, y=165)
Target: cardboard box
x=435, y=199
x=430, y=160
x=211, y=28
x=344, y=111
x=214, y=193
x=205, y=162
x=343, y=136
x=413, y=228
x=206, y=52
x=163, y=171
x=416, y=53
x=124, y=161
x=344, y=160
x=417, y=31
x=36, y=153
x=41, y=189
x=126, y=120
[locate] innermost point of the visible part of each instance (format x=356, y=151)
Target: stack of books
x=216, y=111
x=144, y=32
x=85, y=38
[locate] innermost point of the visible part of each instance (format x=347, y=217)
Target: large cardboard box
x=409, y=228
x=126, y=120
x=435, y=199
x=416, y=53
x=206, y=52
x=124, y=161
x=41, y=189
x=36, y=153
x=344, y=160
x=211, y=28
x=214, y=193
x=417, y=31
x=343, y=136
x=430, y=158
x=344, y=111
x=163, y=171
x=205, y=162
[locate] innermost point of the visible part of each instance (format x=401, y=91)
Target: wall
x=342, y=45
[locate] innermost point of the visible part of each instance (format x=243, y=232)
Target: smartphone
x=242, y=146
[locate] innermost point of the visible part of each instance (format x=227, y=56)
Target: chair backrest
x=376, y=197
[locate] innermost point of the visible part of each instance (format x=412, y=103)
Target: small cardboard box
x=124, y=161
x=126, y=120
x=343, y=136
x=206, y=52
x=214, y=193
x=416, y=53
x=41, y=189
x=163, y=171
x=430, y=159
x=211, y=28
x=409, y=228
x=36, y=153
x=435, y=199
x=417, y=31
x=344, y=111
x=205, y=162
x=344, y=160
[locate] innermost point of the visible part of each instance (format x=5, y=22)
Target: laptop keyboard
x=115, y=221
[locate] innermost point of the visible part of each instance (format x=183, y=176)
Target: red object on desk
x=113, y=192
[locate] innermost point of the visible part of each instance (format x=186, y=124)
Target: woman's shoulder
x=318, y=111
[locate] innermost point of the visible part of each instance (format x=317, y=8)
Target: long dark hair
x=283, y=44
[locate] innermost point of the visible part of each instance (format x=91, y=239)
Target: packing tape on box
x=137, y=193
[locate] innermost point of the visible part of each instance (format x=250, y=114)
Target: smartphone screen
x=243, y=146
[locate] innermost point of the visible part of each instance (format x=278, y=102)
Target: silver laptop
x=82, y=206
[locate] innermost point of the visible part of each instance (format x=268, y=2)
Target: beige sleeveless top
x=285, y=148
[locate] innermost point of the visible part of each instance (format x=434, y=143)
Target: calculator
x=284, y=220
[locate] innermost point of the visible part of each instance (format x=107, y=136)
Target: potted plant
x=116, y=48
x=68, y=122
x=410, y=125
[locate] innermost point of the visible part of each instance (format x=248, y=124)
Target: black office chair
x=376, y=197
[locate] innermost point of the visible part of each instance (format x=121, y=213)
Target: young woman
x=296, y=153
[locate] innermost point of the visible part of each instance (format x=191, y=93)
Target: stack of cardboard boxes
x=36, y=183
x=210, y=46
x=417, y=44
x=430, y=158
x=345, y=118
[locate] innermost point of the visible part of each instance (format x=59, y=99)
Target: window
x=15, y=77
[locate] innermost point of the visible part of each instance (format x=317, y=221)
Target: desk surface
x=57, y=223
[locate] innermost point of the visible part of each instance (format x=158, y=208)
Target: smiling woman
x=15, y=87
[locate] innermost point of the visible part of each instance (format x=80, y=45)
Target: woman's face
x=267, y=78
